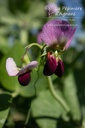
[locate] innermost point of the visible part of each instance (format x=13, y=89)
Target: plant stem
x=34, y=44
x=15, y=94
x=28, y=116
x=56, y=96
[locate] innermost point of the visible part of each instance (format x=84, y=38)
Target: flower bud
x=60, y=68
x=50, y=65
x=51, y=9
x=24, y=79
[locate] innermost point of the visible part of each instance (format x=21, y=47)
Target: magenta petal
x=24, y=79
x=50, y=66
x=39, y=37
x=56, y=32
x=72, y=31
x=60, y=68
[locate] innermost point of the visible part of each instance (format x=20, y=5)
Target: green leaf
x=11, y=83
x=40, y=84
x=46, y=110
x=70, y=93
x=83, y=111
x=5, y=101
x=4, y=48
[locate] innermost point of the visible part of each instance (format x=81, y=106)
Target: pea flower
x=57, y=34
x=51, y=9
x=53, y=65
x=23, y=74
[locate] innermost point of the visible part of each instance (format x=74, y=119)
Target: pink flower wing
x=11, y=67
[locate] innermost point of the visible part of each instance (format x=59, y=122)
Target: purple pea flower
x=57, y=34
x=53, y=66
x=51, y=9
x=23, y=74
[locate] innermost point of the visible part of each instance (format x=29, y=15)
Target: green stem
x=34, y=44
x=15, y=94
x=56, y=96
x=83, y=125
x=25, y=57
x=28, y=116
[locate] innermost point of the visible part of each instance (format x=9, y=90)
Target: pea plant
x=40, y=89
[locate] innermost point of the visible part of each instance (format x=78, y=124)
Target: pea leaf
x=70, y=93
x=8, y=82
x=46, y=110
x=5, y=101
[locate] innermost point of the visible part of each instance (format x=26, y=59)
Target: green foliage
x=9, y=82
x=5, y=101
x=70, y=93
x=83, y=23
x=83, y=3
x=48, y=115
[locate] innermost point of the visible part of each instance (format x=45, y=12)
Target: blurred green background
x=20, y=20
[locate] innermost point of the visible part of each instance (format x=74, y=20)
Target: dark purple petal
x=55, y=31
x=24, y=79
x=60, y=68
x=50, y=66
